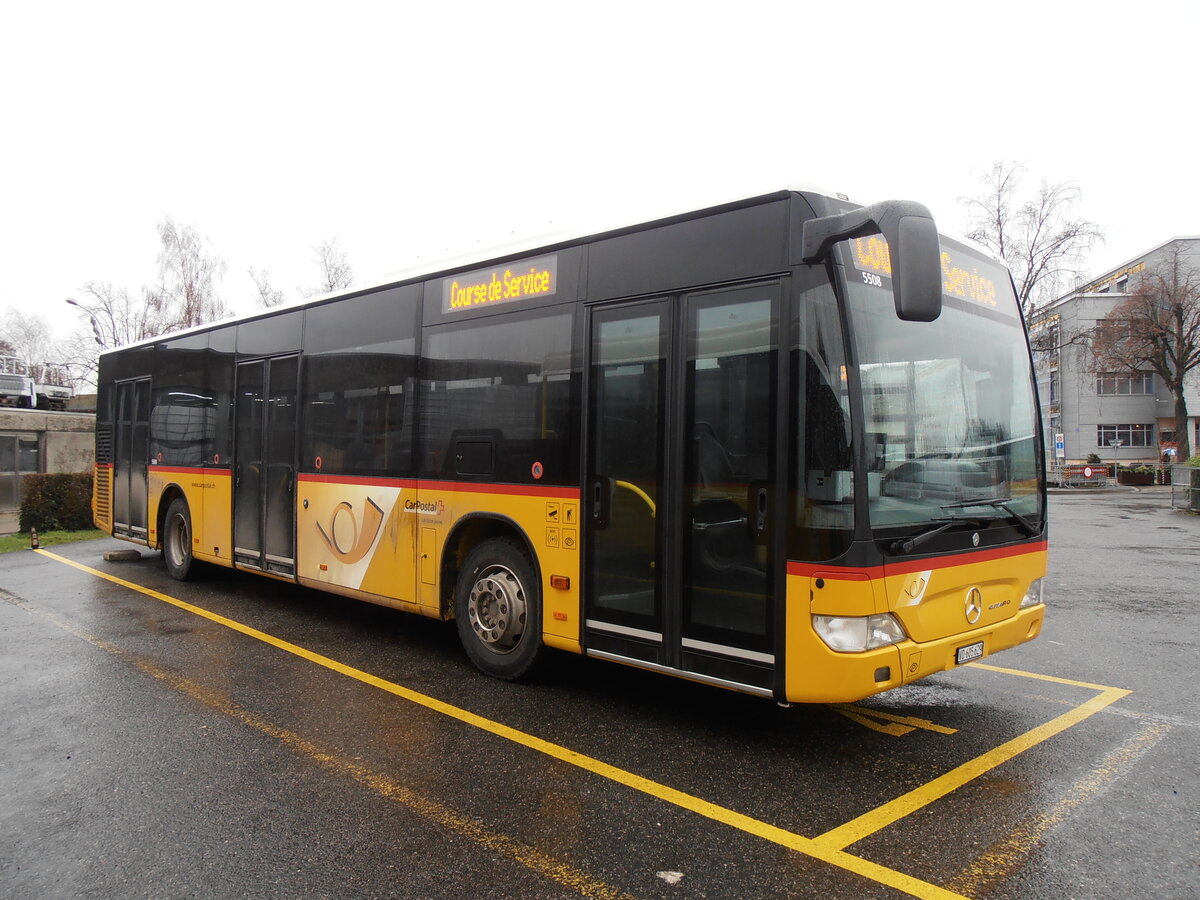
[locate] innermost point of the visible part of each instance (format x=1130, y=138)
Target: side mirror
x=912, y=240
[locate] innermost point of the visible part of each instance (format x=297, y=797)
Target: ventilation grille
x=102, y=497
x=104, y=444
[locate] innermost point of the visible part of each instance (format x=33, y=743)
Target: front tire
x=498, y=609
x=177, y=541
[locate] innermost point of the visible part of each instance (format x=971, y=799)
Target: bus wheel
x=498, y=608
x=177, y=541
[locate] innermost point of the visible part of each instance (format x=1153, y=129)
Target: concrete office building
x=1121, y=417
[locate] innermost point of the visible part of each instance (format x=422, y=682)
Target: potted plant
x=1135, y=475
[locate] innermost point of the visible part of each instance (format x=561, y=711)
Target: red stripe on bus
x=519, y=490
x=455, y=487
x=908, y=566
x=365, y=480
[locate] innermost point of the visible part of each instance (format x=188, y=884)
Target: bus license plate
x=968, y=653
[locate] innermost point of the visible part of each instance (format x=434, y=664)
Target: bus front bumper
x=817, y=674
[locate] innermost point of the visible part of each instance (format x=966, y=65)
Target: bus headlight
x=854, y=634
x=1033, y=596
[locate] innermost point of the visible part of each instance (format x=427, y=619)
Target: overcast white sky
x=415, y=131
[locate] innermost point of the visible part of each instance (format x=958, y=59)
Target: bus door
x=131, y=457
x=264, y=465
x=680, y=492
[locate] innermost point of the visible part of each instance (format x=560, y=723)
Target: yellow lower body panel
x=933, y=599
x=817, y=674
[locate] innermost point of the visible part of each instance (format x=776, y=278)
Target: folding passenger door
x=131, y=458
x=681, y=483
x=264, y=505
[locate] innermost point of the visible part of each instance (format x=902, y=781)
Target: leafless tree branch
x=336, y=271
x=1039, y=237
x=268, y=296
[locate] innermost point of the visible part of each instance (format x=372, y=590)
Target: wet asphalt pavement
x=150, y=751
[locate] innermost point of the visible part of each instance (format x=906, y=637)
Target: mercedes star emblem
x=974, y=605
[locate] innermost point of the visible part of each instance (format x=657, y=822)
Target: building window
x=19, y=455
x=1052, y=335
x=1115, y=436
x=1115, y=330
x=1112, y=384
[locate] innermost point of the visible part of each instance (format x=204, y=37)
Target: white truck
x=45, y=386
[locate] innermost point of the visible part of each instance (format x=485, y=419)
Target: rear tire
x=498, y=609
x=177, y=541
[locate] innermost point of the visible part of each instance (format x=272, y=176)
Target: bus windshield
x=949, y=411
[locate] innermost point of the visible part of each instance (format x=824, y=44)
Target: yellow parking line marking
x=889, y=813
x=465, y=826
x=999, y=860
x=858, y=713
x=829, y=847
x=832, y=855
x=1023, y=674
x=893, y=729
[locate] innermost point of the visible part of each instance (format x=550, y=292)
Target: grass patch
x=10, y=542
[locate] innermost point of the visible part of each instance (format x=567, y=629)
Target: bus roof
x=496, y=254
x=482, y=257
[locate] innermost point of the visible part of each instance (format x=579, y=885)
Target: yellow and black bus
x=787, y=445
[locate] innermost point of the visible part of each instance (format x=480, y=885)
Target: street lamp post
x=91, y=315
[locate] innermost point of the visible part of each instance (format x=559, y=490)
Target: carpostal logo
x=432, y=508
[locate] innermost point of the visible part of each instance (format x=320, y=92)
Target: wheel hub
x=496, y=608
x=177, y=540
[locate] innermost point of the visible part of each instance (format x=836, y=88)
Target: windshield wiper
x=908, y=545
x=1000, y=503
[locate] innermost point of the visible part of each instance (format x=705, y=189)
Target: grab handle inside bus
x=916, y=258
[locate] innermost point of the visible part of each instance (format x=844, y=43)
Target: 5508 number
x=872, y=279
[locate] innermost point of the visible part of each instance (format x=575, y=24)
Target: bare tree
x=1039, y=236
x=28, y=338
x=118, y=318
x=80, y=354
x=1156, y=329
x=336, y=272
x=112, y=318
x=184, y=296
x=188, y=272
x=268, y=296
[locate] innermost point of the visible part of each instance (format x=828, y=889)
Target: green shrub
x=1093, y=457
x=1192, y=460
x=60, y=502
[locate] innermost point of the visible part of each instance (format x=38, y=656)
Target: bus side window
x=821, y=521
x=827, y=446
x=359, y=372
x=496, y=399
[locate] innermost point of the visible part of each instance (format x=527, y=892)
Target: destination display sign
x=501, y=284
x=963, y=275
